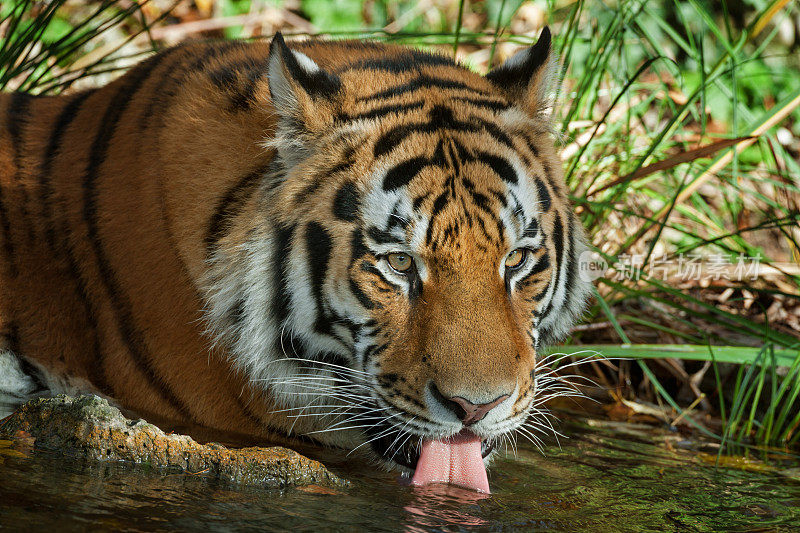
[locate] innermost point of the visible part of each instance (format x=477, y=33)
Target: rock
x=88, y=426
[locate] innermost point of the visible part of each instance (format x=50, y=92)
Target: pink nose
x=472, y=413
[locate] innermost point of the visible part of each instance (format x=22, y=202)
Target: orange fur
x=115, y=201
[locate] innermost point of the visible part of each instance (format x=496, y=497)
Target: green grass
x=676, y=110
x=40, y=46
x=608, y=175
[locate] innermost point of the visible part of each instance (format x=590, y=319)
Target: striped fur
x=205, y=239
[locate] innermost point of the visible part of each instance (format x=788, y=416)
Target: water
x=607, y=477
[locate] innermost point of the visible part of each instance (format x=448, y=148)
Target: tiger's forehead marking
x=445, y=174
x=440, y=162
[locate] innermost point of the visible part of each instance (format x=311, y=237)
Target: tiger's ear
x=304, y=95
x=526, y=76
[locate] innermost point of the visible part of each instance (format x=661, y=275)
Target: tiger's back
x=206, y=239
x=109, y=198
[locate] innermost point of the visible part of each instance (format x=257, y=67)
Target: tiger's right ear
x=305, y=96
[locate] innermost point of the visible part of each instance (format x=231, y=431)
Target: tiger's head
x=415, y=247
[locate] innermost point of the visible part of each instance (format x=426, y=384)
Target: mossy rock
x=88, y=426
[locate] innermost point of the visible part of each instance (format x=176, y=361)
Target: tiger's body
x=205, y=240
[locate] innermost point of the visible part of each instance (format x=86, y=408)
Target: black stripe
x=229, y=206
x=396, y=220
x=450, y=233
x=347, y=202
x=295, y=347
x=382, y=237
x=290, y=345
x=481, y=200
x=438, y=205
x=516, y=203
x=441, y=119
x=369, y=268
x=173, y=81
x=404, y=62
x=549, y=172
x=346, y=161
x=538, y=298
x=225, y=76
x=251, y=415
x=501, y=229
x=572, y=266
x=250, y=71
x=97, y=375
x=532, y=230
x=319, y=247
x=361, y=295
x=389, y=140
x=402, y=174
x=375, y=350
x=414, y=285
x=558, y=246
x=541, y=265
x=531, y=277
x=565, y=255
x=12, y=338
x=382, y=111
x=531, y=144
x=500, y=197
x=495, y=132
x=358, y=250
x=32, y=372
x=17, y=116
x=500, y=166
x=482, y=226
x=46, y=191
x=545, y=201
x=18, y=111
x=280, y=281
x=422, y=82
x=417, y=203
x=483, y=103
x=8, y=245
x=122, y=307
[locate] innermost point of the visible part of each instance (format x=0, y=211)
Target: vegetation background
x=679, y=126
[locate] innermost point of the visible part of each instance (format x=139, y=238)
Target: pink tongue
x=456, y=460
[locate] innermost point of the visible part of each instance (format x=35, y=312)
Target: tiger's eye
x=400, y=261
x=516, y=258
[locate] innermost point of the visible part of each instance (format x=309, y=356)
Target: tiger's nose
x=469, y=413
x=472, y=413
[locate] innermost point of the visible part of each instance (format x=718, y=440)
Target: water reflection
x=436, y=505
x=604, y=478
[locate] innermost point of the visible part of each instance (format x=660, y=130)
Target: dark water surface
x=607, y=477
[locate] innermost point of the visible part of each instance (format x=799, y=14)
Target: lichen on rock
x=88, y=426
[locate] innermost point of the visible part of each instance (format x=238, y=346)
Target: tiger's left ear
x=304, y=95
x=526, y=77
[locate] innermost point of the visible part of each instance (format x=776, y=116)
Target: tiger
x=353, y=242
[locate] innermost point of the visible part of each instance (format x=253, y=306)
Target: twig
x=691, y=406
x=178, y=32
